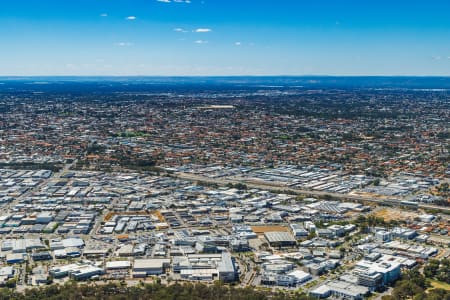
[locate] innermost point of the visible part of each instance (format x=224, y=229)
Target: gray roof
x=279, y=236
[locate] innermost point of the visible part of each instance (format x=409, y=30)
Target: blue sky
x=224, y=37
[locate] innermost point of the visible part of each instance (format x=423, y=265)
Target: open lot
x=389, y=214
x=269, y=228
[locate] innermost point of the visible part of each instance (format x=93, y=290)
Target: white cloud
x=131, y=18
x=201, y=42
x=165, y=1
x=238, y=43
x=203, y=30
x=179, y=30
x=104, y=15
x=124, y=44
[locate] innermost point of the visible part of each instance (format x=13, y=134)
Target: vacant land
x=389, y=214
x=271, y=228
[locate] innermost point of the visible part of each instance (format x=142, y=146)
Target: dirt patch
x=269, y=228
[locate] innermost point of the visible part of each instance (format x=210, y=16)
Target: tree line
x=152, y=291
x=414, y=285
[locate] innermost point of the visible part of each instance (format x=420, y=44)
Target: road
x=249, y=270
x=270, y=186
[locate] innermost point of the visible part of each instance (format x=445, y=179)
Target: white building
x=387, y=267
x=206, y=267
x=383, y=236
x=44, y=217
x=298, y=231
x=340, y=289
x=146, y=267
x=118, y=265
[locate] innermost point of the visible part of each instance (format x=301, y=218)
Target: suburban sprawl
x=321, y=192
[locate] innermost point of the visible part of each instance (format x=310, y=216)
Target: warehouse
x=118, y=265
x=44, y=255
x=15, y=258
x=78, y=271
x=154, y=266
x=280, y=239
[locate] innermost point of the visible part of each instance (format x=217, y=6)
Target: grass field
x=440, y=285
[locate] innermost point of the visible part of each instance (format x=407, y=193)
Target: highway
x=271, y=186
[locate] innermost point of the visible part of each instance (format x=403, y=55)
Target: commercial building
x=207, y=267
x=383, y=236
x=77, y=271
x=298, y=231
x=340, y=289
x=367, y=271
x=146, y=267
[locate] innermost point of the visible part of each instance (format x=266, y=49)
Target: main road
x=271, y=186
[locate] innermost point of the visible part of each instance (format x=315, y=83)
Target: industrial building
x=280, y=239
x=340, y=289
x=146, y=267
x=206, y=267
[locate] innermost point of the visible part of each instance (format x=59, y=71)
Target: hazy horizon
x=167, y=83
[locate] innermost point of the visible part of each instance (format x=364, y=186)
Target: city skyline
x=213, y=38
